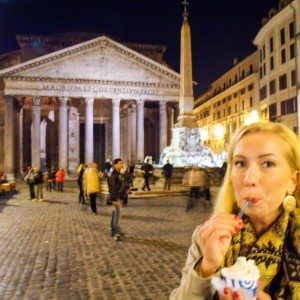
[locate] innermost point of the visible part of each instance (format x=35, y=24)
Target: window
x=243, y=105
x=219, y=114
x=243, y=91
x=250, y=87
x=283, y=56
x=271, y=63
x=243, y=74
x=282, y=82
x=251, y=69
x=224, y=101
x=263, y=92
x=264, y=69
x=235, y=95
x=282, y=36
x=224, y=112
x=260, y=72
x=272, y=112
x=264, y=51
x=235, y=78
x=235, y=107
x=271, y=44
x=251, y=102
x=229, y=98
x=293, y=78
x=272, y=87
x=288, y=106
x=292, y=51
x=260, y=55
x=229, y=110
x=291, y=30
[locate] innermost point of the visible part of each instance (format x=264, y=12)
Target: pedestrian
x=60, y=178
x=80, y=171
x=198, y=180
x=91, y=183
x=39, y=183
x=107, y=168
x=29, y=179
x=147, y=170
x=52, y=181
x=256, y=215
x=168, y=173
x=116, y=194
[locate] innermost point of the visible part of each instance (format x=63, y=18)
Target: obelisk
x=186, y=148
x=186, y=97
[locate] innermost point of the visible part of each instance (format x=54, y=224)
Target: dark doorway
x=99, y=144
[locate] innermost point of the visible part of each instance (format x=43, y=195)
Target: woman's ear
x=295, y=181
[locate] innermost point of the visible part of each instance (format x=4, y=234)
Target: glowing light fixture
x=203, y=134
x=252, y=117
x=219, y=132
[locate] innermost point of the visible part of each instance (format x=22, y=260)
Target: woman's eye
x=240, y=163
x=268, y=164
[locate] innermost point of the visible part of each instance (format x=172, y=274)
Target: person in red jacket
x=60, y=178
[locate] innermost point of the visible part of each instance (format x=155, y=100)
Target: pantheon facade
x=66, y=100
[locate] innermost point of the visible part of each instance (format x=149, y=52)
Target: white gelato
x=243, y=269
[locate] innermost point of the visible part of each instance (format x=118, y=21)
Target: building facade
x=263, y=86
x=65, y=103
x=231, y=101
x=279, y=62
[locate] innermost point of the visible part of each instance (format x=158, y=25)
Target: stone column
x=89, y=130
x=35, y=132
x=133, y=133
x=63, y=134
x=21, y=118
x=115, y=128
x=163, y=126
x=172, y=122
x=129, y=136
x=140, y=130
x=9, y=162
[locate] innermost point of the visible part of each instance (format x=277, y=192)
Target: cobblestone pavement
x=57, y=249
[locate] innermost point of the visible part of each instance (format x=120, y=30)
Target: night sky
x=221, y=30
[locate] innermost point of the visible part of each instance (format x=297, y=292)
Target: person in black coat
x=147, y=170
x=116, y=194
x=168, y=172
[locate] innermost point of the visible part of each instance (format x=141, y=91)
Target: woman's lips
x=252, y=200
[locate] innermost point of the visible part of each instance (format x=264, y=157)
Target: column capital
x=63, y=101
x=162, y=105
x=116, y=101
x=36, y=101
x=140, y=102
x=89, y=101
x=133, y=108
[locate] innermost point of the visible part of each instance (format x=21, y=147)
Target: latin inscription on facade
x=99, y=89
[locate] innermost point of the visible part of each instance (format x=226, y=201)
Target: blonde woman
x=263, y=170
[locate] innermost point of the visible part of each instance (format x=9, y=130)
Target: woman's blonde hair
x=225, y=201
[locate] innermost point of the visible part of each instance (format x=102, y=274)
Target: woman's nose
x=251, y=176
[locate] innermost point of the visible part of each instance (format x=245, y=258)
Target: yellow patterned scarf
x=276, y=253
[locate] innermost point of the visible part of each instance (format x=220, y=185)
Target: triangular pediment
x=98, y=59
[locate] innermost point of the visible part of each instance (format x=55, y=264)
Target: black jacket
x=116, y=186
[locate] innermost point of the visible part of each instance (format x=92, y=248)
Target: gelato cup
x=242, y=276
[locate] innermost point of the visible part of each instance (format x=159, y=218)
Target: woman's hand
x=229, y=294
x=215, y=239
